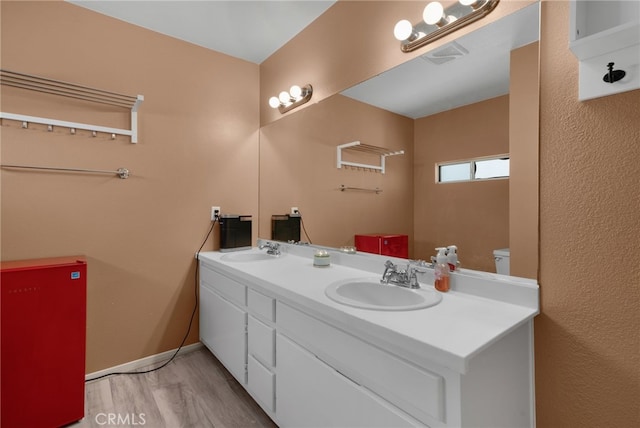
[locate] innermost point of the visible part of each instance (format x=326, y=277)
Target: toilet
x=501, y=257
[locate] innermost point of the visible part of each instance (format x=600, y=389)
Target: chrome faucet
x=407, y=277
x=273, y=248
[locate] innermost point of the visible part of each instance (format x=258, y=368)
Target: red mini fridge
x=387, y=245
x=43, y=316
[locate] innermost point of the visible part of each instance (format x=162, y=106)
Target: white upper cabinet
x=603, y=32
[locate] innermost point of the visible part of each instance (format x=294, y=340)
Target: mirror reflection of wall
x=459, y=108
x=298, y=168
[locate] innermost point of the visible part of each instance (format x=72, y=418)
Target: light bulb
x=473, y=3
x=296, y=91
x=403, y=30
x=274, y=102
x=284, y=97
x=434, y=14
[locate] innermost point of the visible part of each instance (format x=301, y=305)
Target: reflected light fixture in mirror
x=296, y=96
x=438, y=22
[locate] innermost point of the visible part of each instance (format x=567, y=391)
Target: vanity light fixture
x=438, y=22
x=296, y=96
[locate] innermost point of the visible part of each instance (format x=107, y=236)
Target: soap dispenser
x=441, y=270
x=452, y=258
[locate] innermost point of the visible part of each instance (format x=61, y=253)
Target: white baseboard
x=144, y=362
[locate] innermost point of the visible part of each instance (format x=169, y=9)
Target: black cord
x=304, y=228
x=195, y=308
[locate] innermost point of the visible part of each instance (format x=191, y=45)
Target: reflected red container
x=387, y=245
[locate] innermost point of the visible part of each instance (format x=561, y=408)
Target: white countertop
x=471, y=316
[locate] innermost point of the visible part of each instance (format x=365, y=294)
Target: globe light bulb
x=274, y=102
x=296, y=91
x=433, y=14
x=284, y=97
x=403, y=30
x=473, y=3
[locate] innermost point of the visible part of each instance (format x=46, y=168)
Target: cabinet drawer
x=261, y=341
x=261, y=383
x=227, y=287
x=416, y=391
x=261, y=305
x=312, y=394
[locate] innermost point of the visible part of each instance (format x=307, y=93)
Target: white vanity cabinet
x=306, y=362
x=319, y=366
x=223, y=320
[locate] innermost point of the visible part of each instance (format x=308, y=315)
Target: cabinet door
x=223, y=329
x=312, y=394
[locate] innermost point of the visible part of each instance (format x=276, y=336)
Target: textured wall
x=140, y=234
x=587, y=338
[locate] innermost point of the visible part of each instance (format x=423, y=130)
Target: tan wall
x=298, y=168
x=524, y=107
x=587, y=337
x=473, y=215
x=198, y=147
x=351, y=42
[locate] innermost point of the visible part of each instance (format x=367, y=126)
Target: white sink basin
x=369, y=293
x=248, y=257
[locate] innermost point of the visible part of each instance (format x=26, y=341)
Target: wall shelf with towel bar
x=357, y=146
x=71, y=90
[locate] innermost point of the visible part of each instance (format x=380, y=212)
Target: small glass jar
x=321, y=258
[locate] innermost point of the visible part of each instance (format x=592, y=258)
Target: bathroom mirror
x=449, y=104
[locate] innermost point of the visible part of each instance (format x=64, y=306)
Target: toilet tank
x=501, y=257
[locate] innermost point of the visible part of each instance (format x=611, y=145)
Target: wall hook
x=613, y=75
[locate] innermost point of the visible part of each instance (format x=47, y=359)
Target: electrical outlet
x=294, y=210
x=215, y=213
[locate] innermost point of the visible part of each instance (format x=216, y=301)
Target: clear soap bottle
x=441, y=270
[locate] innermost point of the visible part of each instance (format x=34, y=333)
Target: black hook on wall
x=613, y=75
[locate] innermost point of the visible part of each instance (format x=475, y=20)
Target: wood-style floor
x=194, y=390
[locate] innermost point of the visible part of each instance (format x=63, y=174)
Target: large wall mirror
x=466, y=100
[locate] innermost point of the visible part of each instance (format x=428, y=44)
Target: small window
x=486, y=168
x=492, y=168
x=455, y=172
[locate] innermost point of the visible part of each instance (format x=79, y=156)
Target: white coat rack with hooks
x=357, y=146
x=71, y=90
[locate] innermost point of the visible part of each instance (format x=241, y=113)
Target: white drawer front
x=418, y=392
x=262, y=305
x=312, y=394
x=227, y=287
x=261, y=341
x=261, y=383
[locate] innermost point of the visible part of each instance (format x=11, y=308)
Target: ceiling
x=250, y=30
x=253, y=30
x=473, y=68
